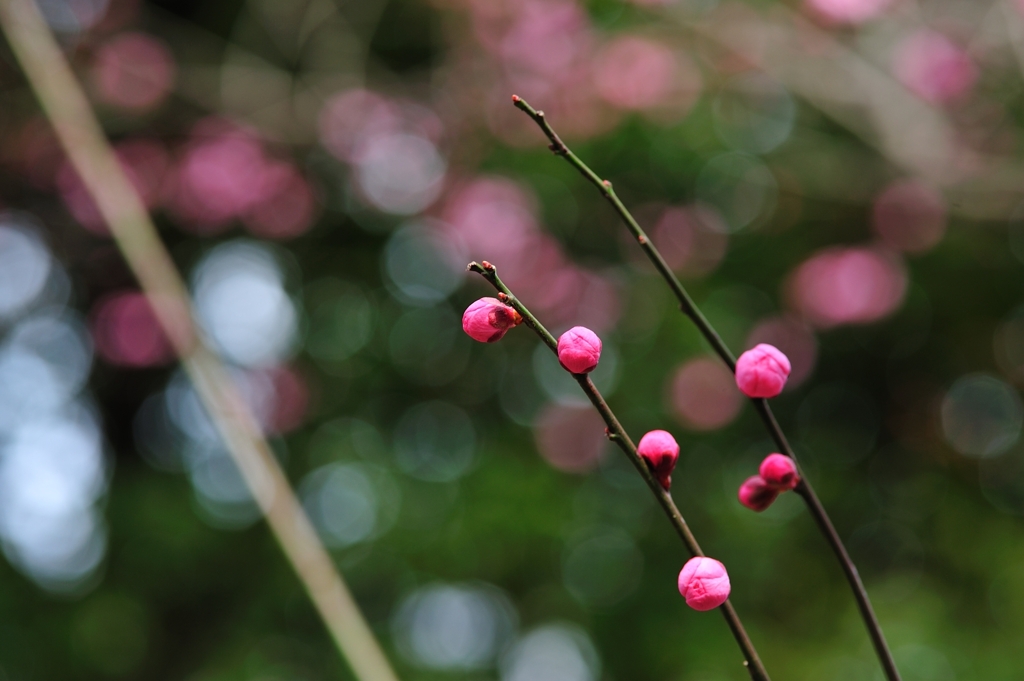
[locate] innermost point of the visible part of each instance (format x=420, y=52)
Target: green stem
x=618, y=435
x=688, y=308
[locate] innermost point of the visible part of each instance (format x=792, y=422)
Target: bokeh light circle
x=242, y=305
x=25, y=264
x=754, y=113
x=424, y=263
x=553, y=652
x=740, y=187
x=704, y=395
x=435, y=441
x=454, y=627
x=981, y=415
x=400, y=173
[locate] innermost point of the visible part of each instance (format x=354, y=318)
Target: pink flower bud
x=756, y=495
x=704, y=583
x=762, y=371
x=579, y=350
x=488, y=319
x=779, y=472
x=660, y=450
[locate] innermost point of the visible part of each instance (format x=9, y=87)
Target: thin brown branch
x=688, y=308
x=617, y=434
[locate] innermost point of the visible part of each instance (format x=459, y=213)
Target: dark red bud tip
x=756, y=494
x=660, y=451
x=486, y=265
x=607, y=183
x=488, y=319
x=642, y=239
x=515, y=98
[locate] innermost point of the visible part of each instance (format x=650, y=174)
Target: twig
x=686, y=304
x=617, y=434
x=65, y=104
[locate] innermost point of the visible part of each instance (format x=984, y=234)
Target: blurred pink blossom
x=704, y=394
x=287, y=206
x=126, y=331
x=847, y=285
x=219, y=176
x=634, y=73
x=224, y=174
x=909, y=216
x=847, y=11
x=692, y=239
x=934, y=67
x=146, y=163
x=351, y=118
x=496, y=219
x=290, y=401
x=544, y=36
x=544, y=50
x=133, y=71
x=570, y=438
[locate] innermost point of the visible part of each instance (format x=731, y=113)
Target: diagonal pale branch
x=686, y=304
x=618, y=435
x=65, y=104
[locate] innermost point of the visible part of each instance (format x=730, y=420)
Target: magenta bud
x=762, y=371
x=488, y=319
x=579, y=350
x=779, y=472
x=756, y=494
x=659, y=449
x=704, y=583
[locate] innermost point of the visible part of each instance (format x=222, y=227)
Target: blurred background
x=840, y=178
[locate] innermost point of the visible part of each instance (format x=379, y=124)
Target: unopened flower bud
x=756, y=494
x=704, y=583
x=762, y=371
x=779, y=471
x=579, y=350
x=660, y=451
x=488, y=319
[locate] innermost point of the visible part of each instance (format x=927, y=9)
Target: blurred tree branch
x=913, y=135
x=79, y=132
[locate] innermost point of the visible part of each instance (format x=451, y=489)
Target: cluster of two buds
x=761, y=372
x=703, y=581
